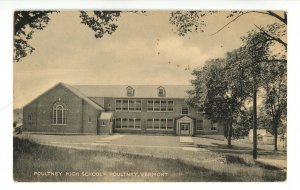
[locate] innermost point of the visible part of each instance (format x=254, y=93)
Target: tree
x=274, y=84
x=259, y=50
x=193, y=21
x=27, y=22
x=220, y=90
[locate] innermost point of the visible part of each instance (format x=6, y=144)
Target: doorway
x=185, y=128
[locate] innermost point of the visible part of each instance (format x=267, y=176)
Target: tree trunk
x=229, y=134
x=254, y=120
x=275, y=135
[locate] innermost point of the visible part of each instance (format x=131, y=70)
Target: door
x=184, y=128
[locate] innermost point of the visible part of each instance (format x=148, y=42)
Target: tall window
x=156, y=124
x=131, y=105
x=150, y=123
x=128, y=123
x=125, y=104
x=170, y=105
x=59, y=116
x=131, y=123
x=170, y=124
x=156, y=105
x=163, y=105
x=199, y=125
x=128, y=105
x=138, y=123
x=118, y=123
x=185, y=110
x=160, y=105
x=118, y=104
x=138, y=105
x=150, y=105
x=160, y=124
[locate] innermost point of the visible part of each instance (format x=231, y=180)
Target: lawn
x=33, y=161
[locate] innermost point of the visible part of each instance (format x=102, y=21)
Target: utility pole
x=254, y=119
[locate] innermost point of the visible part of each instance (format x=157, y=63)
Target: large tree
x=221, y=89
x=260, y=43
x=274, y=84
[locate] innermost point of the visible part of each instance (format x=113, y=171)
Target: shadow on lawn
x=30, y=157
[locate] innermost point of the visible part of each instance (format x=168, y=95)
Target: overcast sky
x=67, y=51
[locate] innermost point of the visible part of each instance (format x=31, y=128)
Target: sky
x=143, y=50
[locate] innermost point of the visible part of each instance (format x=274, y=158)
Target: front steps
x=186, y=142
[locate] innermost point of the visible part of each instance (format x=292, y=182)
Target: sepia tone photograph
x=150, y=96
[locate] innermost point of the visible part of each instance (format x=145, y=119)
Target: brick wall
x=41, y=113
x=110, y=104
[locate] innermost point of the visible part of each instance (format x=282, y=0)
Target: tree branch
x=284, y=20
x=272, y=37
x=231, y=21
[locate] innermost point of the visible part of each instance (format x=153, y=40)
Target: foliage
x=193, y=21
x=221, y=88
x=101, y=22
x=25, y=24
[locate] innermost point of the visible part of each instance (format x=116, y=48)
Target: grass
x=30, y=157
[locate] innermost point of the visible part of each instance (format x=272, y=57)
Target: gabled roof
x=106, y=116
x=79, y=94
x=140, y=91
x=73, y=90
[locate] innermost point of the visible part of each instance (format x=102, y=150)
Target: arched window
x=59, y=116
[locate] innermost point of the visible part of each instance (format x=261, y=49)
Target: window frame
x=56, y=108
x=199, y=121
x=151, y=104
x=187, y=109
x=131, y=105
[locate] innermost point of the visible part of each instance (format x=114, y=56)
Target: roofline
x=64, y=85
x=42, y=94
x=133, y=97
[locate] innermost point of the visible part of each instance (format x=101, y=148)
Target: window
x=59, y=114
x=131, y=105
x=170, y=124
x=156, y=124
x=138, y=105
x=29, y=117
x=90, y=119
x=156, y=105
x=160, y=124
x=103, y=123
x=163, y=124
x=125, y=105
x=185, y=110
x=199, y=125
x=118, y=105
x=160, y=105
x=128, y=123
x=170, y=105
x=138, y=123
x=149, y=123
x=131, y=123
x=124, y=123
x=161, y=91
x=118, y=123
x=130, y=91
x=150, y=105
x=163, y=105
